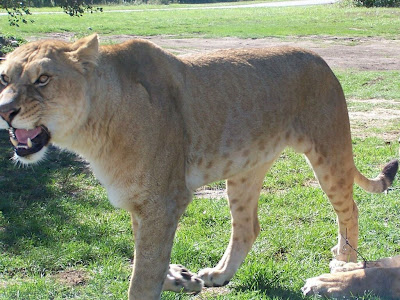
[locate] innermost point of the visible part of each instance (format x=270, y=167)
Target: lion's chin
x=30, y=146
x=31, y=158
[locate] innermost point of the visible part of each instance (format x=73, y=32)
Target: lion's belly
x=205, y=167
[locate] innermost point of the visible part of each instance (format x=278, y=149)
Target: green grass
x=56, y=217
x=244, y=23
x=370, y=84
x=142, y=6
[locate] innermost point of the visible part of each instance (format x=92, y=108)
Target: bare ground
x=340, y=52
x=345, y=53
x=71, y=277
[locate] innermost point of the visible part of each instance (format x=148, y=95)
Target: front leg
x=178, y=279
x=155, y=227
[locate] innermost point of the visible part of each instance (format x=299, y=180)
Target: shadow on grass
x=271, y=290
x=29, y=195
x=282, y=293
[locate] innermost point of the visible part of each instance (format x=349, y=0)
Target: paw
x=213, y=277
x=315, y=286
x=344, y=253
x=310, y=287
x=326, y=285
x=180, y=279
x=337, y=266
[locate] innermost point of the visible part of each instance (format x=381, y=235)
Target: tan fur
x=155, y=127
x=381, y=277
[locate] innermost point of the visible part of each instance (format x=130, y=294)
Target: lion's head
x=43, y=93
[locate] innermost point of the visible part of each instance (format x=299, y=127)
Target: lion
x=155, y=127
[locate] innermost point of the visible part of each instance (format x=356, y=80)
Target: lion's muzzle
x=27, y=142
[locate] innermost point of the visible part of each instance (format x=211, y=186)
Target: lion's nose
x=8, y=104
x=9, y=115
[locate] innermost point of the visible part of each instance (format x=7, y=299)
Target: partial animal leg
x=178, y=278
x=387, y=262
x=153, y=242
x=243, y=193
x=335, y=174
x=154, y=222
x=382, y=282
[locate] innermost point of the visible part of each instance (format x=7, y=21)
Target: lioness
x=155, y=127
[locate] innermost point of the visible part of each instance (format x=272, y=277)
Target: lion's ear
x=85, y=52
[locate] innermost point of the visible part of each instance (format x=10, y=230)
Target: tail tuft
x=390, y=170
x=382, y=182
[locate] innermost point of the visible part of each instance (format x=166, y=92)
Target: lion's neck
x=128, y=119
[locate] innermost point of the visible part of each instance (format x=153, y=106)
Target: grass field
x=61, y=239
x=149, y=6
x=243, y=23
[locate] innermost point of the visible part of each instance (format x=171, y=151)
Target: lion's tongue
x=22, y=135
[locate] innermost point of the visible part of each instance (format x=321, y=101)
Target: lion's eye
x=42, y=80
x=4, y=79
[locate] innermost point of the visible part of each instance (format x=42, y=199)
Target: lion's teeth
x=14, y=141
x=29, y=143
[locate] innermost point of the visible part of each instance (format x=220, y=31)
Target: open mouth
x=27, y=142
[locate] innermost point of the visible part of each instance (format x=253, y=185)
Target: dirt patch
x=71, y=277
x=212, y=292
x=204, y=192
x=364, y=123
x=340, y=52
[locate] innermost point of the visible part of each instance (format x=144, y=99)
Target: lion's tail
x=382, y=182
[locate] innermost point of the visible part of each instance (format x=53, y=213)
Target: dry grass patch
x=71, y=277
x=375, y=117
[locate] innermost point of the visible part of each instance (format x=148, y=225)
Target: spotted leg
x=335, y=174
x=243, y=193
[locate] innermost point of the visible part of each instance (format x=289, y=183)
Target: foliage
x=9, y=43
x=378, y=3
x=18, y=10
x=76, y=7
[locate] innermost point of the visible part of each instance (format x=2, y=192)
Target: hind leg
x=243, y=193
x=335, y=173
